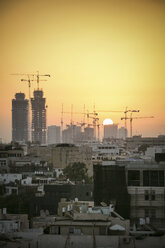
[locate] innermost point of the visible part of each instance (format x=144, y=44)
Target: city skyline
x=106, y=53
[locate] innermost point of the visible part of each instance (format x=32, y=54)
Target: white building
x=26, y=181
x=9, y=190
x=151, y=151
x=105, y=152
x=8, y=178
x=54, y=134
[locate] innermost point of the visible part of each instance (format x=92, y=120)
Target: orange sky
x=107, y=52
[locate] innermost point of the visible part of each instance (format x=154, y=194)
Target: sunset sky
x=110, y=53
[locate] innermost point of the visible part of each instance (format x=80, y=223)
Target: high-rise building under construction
x=38, y=117
x=20, y=110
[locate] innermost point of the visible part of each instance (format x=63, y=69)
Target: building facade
x=88, y=133
x=71, y=134
x=20, y=110
x=110, y=187
x=65, y=154
x=38, y=117
x=146, y=187
x=136, y=188
x=122, y=133
x=110, y=131
x=54, y=134
x=137, y=141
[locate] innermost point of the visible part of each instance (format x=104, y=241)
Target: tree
x=77, y=172
x=143, y=148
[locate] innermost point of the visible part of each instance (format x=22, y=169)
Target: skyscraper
x=20, y=109
x=38, y=117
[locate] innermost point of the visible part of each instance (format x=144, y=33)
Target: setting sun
x=107, y=122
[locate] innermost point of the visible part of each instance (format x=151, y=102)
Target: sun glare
x=107, y=122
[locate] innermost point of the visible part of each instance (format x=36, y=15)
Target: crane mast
x=132, y=118
x=125, y=114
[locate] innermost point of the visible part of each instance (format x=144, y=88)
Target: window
x=77, y=231
x=153, y=213
x=102, y=230
x=7, y=191
x=146, y=212
x=73, y=230
x=55, y=230
x=146, y=195
x=149, y=195
x=146, y=178
x=14, y=191
x=150, y=212
x=152, y=195
x=161, y=178
x=153, y=178
x=133, y=178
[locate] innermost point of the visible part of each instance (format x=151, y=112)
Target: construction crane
x=37, y=75
x=95, y=123
x=29, y=85
x=29, y=79
x=121, y=111
x=82, y=124
x=71, y=114
x=131, y=119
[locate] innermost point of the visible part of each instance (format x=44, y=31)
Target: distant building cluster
x=29, y=123
x=112, y=131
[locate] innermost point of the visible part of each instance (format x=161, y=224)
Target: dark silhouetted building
x=20, y=109
x=38, y=117
x=54, y=193
x=110, y=187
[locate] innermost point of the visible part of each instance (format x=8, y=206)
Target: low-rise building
x=136, y=141
x=81, y=218
x=146, y=184
x=10, y=178
x=11, y=190
x=65, y=154
x=12, y=222
x=151, y=151
x=136, y=187
x=54, y=192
